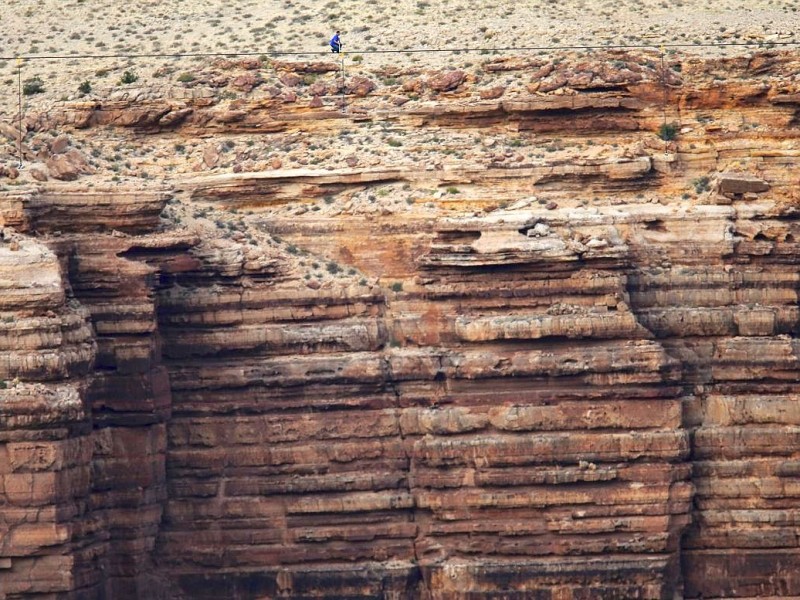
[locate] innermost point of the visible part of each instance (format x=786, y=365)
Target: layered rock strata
x=572, y=378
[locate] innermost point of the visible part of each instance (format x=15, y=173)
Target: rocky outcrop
x=47, y=537
x=572, y=376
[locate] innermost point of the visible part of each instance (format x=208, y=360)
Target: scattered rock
x=249, y=64
x=305, y=67
x=360, y=86
x=539, y=230
x=290, y=79
x=416, y=86
x=522, y=203
x=351, y=161
x=580, y=80
x=316, y=102
x=10, y=172
x=492, y=93
x=553, y=83
x=68, y=166
x=596, y=243
x=275, y=163
x=447, y=81
x=246, y=82
x=211, y=156
x=318, y=88
x=60, y=144
x=38, y=171
x=217, y=81
x=542, y=72
x=551, y=205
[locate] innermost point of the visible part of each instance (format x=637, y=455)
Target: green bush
x=668, y=131
x=186, y=77
x=32, y=86
x=129, y=77
x=85, y=88
x=701, y=184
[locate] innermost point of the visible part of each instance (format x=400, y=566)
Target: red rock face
x=549, y=401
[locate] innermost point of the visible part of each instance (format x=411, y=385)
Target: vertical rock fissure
x=392, y=386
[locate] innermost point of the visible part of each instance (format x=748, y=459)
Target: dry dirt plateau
x=507, y=325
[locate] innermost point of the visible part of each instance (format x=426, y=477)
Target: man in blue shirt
x=336, y=43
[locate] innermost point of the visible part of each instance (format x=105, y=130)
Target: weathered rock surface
x=555, y=399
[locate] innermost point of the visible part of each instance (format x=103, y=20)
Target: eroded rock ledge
x=547, y=399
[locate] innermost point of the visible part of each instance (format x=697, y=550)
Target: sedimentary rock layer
x=556, y=397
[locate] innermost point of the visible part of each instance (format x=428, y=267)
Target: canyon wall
x=564, y=377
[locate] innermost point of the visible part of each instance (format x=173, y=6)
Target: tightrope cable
x=277, y=53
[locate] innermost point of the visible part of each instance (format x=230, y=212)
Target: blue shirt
x=335, y=40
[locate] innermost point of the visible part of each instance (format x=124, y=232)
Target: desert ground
x=109, y=51
x=92, y=27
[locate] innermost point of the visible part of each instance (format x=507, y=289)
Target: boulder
x=740, y=183
x=290, y=79
x=318, y=88
x=447, y=81
x=68, y=166
x=249, y=64
x=60, y=168
x=246, y=82
x=492, y=93
x=552, y=83
x=38, y=171
x=211, y=156
x=360, y=86
x=60, y=144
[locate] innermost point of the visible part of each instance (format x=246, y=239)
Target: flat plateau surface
x=136, y=27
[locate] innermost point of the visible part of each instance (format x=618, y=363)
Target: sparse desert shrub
x=668, y=131
x=701, y=184
x=129, y=77
x=32, y=86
